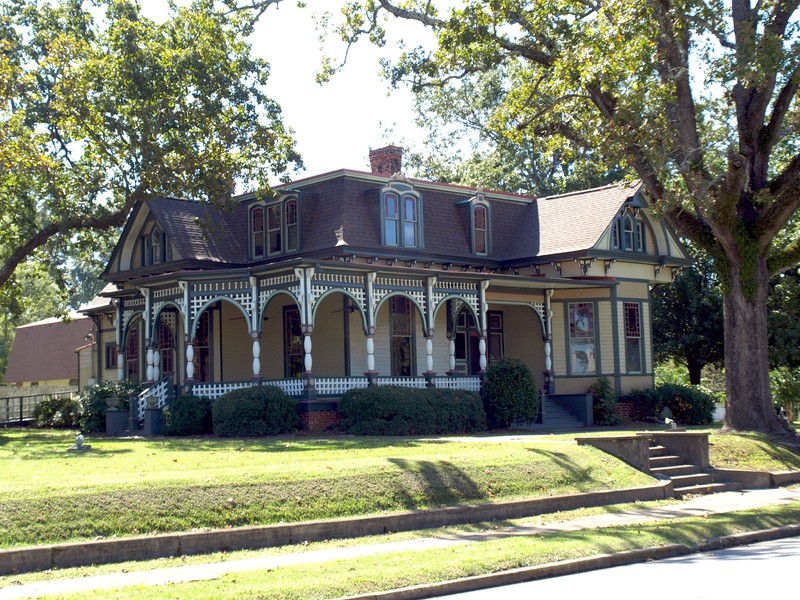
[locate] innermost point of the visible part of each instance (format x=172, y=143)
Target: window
x=166, y=346
x=633, y=337
x=276, y=232
x=628, y=233
x=480, y=230
x=494, y=347
x=202, y=349
x=111, y=355
x=257, y=232
x=155, y=248
x=293, y=352
x=132, y=355
x=156, y=245
x=582, y=338
x=401, y=216
x=401, y=333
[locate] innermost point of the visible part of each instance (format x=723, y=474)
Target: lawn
x=137, y=486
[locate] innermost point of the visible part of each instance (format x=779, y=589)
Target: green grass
x=355, y=576
x=128, y=487
x=753, y=451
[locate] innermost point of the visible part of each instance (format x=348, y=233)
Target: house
x=353, y=278
x=48, y=353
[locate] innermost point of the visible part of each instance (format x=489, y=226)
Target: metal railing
x=21, y=408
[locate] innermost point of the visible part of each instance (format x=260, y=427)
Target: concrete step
x=699, y=489
x=693, y=479
x=675, y=470
x=668, y=460
x=658, y=450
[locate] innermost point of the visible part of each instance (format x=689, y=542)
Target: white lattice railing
x=409, y=382
x=469, y=384
x=293, y=387
x=159, y=390
x=214, y=390
x=335, y=386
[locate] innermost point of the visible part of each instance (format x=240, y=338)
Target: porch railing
x=20, y=407
x=469, y=384
x=336, y=386
x=160, y=391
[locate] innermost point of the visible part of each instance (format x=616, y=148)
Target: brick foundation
x=318, y=420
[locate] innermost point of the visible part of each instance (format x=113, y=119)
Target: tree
x=697, y=96
x=687, y=319
x=101, y=107
x=784, y=320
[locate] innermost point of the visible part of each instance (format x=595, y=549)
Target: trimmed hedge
x=92, y=399
x=689, y=405
x=57, y=412
x=509, y=393
x=255, y=411
x=386, y=410
x=187, y=415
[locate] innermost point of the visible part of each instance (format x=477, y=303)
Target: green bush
x=509, y=393
x=688, y=405
x=92, y=402
x=386, y=410
x=255, y=411
x=187, y=415
x=605, y=406
x=57, y=411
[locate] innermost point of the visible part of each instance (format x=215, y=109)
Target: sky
x=335, y=124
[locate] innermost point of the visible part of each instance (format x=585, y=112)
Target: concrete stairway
x=687, y=479
x=556, y=417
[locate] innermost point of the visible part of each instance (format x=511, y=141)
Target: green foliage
x=102, y=107
x=784, y=319
x=93, y=402
x=254, y=411
x=509, y=393
x=187, y=415
x=785, y=384
x=385, y=410
x=57, y=411
x=688, y=405
x=605, y=405
x=688, y=320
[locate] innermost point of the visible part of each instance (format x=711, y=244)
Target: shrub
x=605, y=407
x=187, y=415
x=93, y=402
x=386, y=410
x=57, y=411
x=509, y=393
x=688, y=405
x=254, y=411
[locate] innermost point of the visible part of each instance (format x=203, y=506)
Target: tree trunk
x=748, y=403
x=695, y=371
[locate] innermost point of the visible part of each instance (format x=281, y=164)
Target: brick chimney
x=387, y=160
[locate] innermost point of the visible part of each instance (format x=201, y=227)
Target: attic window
x=628, y=234
x=155, y=248
x=277, y=231
x=401, y=216
x=480, y=229
x=257, y=232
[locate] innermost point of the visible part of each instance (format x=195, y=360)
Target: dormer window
x=628, y=234
x=480, y=229
x=276, y=232
x=155, y=248
x=401, y=216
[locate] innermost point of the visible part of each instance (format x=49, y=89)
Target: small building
x=351, y=278
x=44, y=352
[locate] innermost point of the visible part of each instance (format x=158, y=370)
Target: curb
x=76, y=554
x=580, y=565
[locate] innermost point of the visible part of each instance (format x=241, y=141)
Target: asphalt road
x=764, y=570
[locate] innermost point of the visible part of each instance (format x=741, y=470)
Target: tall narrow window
x=274, y=229
x=132, y=355
x=202, y=348
x=401, y=336
x=156, y=245
x=147, y=250
x=640, y=243
x=494, y=319
x=257, y=232
x=627, y=232
x=391, y=219
x=292, y=241
x=293, y=353
x=409, y=221
x=582, y=338
x=479, y=229
x=166, y=346
x=633, y=338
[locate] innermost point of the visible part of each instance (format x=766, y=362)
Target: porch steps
x=687, y=479
x=556, y=417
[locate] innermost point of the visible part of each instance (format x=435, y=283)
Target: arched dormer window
x=480, y=229
x=275, y=228
x=155, y=247
x=401, y=216
x=628, y=234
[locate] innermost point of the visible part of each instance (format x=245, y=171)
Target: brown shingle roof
x=45, y=350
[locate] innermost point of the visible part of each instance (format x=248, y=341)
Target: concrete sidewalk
x=698, y=506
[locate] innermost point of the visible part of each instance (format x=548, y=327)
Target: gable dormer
x=630, y=231
x=479, y=223
x=273, y=227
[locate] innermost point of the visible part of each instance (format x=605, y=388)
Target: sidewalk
x=698, y=506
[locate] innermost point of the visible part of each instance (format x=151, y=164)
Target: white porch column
x=307, y=360
x=370, y=354
x=429, y=353
x=120, y=363
x=482, y=349
x=256, y=356
x=149, y=370
x=484, y=308
x=452, y=361
x=549, y=383
x=156, y=364
x=189, y=360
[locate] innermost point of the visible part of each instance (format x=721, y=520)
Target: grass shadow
x=435, y=484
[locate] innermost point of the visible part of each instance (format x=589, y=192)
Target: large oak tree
x=101, y=107
x=698, y=96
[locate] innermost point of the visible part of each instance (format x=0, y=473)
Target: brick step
x=665, y=461
x=674, y=470
x=700, y=489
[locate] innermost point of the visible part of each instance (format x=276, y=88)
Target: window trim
x=591, y=335
x=282, y=232
x=628, y=334
x=637, y=232
x=402, y=191
x=480, y=205
x=412, y=360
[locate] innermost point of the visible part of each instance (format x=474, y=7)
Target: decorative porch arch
x=345, y=292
